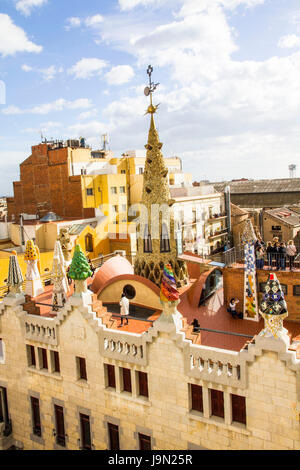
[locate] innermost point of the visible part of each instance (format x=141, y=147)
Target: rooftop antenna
x=292, y=169
x=104, y=141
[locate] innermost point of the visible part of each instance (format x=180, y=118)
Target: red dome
x=113, y=267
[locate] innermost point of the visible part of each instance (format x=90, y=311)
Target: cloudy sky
x=229, y=73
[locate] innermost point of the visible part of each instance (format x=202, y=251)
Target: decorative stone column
x=169, y=298
x=60, y=284
x=34, y=286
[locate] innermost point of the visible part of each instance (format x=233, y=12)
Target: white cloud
x=26, y=68
x=289, y=41
x=26, y=6
x=46, y=108
x=189, y=6
x=119, y=75
x=73, y=22
x=47, y=73
x=13, y=39
x=87, y=68
x=95, y=20
x=90, y=22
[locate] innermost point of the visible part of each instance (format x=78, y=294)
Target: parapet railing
x=127, y=347
x=215, y=365
x=40, y=329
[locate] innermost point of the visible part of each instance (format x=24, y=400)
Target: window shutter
x=127, y=380
x=238, y=409
x=60, y=425
x=111, y=376
x=85, y=432
x=145, y=442
x=217, y=403
x=197, y=399
x=143, y=384
x=113, y=431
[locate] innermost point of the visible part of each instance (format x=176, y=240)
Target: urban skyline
x=228, y=72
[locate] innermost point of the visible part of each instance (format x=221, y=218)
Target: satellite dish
x=147, y=91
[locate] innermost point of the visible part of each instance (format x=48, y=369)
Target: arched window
x=147, y=240
x=164, y=239
x=89, y=245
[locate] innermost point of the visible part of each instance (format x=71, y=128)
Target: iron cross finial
x=150, y=89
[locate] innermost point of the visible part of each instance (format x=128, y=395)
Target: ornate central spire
x=156, y=240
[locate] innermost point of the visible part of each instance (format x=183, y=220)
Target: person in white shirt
x=232, y=308
x=124, y=303
x=291, y=251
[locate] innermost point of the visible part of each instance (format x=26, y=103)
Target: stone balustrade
x=216, y=365
x=128, y=347
x=40, y=329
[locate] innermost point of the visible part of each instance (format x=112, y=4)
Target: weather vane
x=149, y=90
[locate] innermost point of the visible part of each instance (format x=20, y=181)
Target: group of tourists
x=277, y=254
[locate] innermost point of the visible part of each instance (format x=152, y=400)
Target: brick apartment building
x=48, y=184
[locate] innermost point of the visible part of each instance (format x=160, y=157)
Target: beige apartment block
x=266, y=374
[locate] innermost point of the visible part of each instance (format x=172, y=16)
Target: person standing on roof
x=124, y=303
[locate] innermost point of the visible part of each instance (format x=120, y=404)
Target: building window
x=113, y=190
x=110, y=375
x=141, y=171
x=217, y=403
x=81, y=367
x=89, y=245
x=113, y=433
x=60, y=425
x=31, y=355
x=129, y=291
x=1, y=350
x=89, y=191
x=55, y=361
x=114, y=208
x=85, y=428
x=4, y=416
x=147, y=240
x=143, y=384
x=296, y=290
x=123, y=207
x=164, y=239
x=122, y=189
x=197, y=398
x=238, y=409
x=36, y=417
x=43, y=358
x=123, y=172
x=126, y=374
x=145, y=442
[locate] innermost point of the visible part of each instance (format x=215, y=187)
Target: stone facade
x=266, y=374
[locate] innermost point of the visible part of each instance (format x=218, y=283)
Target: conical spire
x=156, y=239
x=15, y=277
x=156, y=186
x=273, y=308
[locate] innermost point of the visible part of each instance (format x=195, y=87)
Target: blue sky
x=229, y=73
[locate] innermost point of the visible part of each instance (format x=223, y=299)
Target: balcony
x=216, y=218
x=218, y=234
